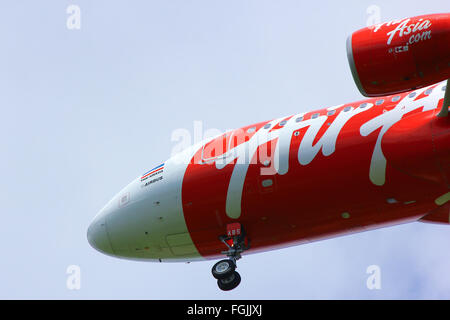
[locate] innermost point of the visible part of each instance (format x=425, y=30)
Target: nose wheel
x=229, y=283
x=225, y=270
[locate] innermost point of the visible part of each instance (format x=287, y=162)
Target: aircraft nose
x=98, y=236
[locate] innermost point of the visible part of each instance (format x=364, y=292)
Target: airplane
x=315, y=175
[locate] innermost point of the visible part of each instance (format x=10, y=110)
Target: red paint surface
x=413, y=58
x=307, y=202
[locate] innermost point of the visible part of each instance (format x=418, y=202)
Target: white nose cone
x=98, y=236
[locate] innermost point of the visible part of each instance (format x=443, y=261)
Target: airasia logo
x=406, y=27
x=240, y=155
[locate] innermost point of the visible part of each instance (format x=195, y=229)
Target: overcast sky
x=85, y=111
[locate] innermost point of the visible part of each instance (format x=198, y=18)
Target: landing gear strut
x=225, y=270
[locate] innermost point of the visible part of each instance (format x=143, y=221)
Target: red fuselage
x=388, y=165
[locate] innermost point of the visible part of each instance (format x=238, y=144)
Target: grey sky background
x=83, y=112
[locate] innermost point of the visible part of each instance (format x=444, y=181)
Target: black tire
x=230, y=282
x=223, y=269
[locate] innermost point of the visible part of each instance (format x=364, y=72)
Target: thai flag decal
x=152, y=172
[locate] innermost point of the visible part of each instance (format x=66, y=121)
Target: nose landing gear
x=225, y=270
